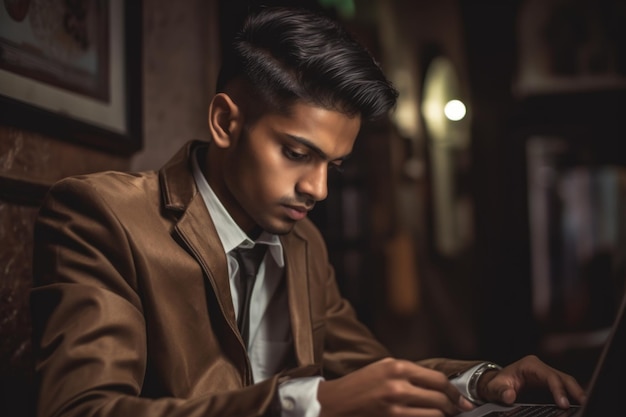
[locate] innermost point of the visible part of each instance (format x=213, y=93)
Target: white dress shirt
x=270, y=341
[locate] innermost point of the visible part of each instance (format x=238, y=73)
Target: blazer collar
x=176, y=179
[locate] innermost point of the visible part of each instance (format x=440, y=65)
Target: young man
x=140, y=304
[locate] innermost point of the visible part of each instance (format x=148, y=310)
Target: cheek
x=268, y=177
x=274, y=183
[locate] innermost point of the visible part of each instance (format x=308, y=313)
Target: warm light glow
x=454, y=110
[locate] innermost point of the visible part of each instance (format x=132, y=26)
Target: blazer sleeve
x=88, y=322
x=350, y=345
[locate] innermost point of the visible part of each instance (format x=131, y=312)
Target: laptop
x=606, y=391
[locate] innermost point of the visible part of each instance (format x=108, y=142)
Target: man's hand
x=504, y=386
x=391, y=388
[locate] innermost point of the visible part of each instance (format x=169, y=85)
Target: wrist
x=478, y=380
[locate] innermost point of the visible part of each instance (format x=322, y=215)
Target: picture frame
x=72, y=71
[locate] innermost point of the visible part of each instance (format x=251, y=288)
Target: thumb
x=508, y=395
x=499, y=390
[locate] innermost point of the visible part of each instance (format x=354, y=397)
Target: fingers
x=574, y=389
x=413, y=396
x=531, y=371
x=391, y=388
x=561, y=385
x=434, y=380
x=564, y=386
x=425, y=388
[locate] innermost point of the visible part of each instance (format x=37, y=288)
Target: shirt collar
x=230, y=234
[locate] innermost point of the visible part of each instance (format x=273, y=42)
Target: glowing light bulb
x=454, y=110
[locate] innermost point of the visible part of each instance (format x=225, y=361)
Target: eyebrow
x=315, y=148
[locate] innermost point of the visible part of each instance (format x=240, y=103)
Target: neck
x=213, y=170
x=254, y=233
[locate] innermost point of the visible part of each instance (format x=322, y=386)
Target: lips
x=296, y=212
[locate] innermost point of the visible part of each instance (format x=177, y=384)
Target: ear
x=225, y=120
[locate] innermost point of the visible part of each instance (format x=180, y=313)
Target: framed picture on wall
x=72, y=70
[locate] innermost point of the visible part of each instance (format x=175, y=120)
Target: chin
x=278, y=228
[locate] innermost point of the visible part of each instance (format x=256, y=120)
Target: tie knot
x=249, y=259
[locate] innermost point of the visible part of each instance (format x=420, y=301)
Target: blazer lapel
x=195, y=226
x=298, y=293
x=196, y=231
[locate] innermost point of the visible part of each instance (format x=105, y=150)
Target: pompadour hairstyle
x=288, y=55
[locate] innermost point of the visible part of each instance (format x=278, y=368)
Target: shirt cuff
x=467, y=381
x=298, y=397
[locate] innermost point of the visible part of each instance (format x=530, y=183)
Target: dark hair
x=288, y=55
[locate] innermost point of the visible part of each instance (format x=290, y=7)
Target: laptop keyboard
x=534, y=411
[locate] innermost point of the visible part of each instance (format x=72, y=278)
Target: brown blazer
x=132, y=310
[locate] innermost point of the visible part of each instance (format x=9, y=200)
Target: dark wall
x=578, y=49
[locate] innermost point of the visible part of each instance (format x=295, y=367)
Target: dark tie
x=249, y=260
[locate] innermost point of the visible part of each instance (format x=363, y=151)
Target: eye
x=293, y=155
x=336, y=167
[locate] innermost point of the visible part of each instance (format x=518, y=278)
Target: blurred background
x=485, y=218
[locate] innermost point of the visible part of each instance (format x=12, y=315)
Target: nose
x=314, y=183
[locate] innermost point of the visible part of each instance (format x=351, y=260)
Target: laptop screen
x=607, y=394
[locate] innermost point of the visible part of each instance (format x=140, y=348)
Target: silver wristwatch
x=472, y=385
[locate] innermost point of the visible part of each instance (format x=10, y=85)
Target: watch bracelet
x=472, y=385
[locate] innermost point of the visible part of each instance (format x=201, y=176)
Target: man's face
x=276, y=170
